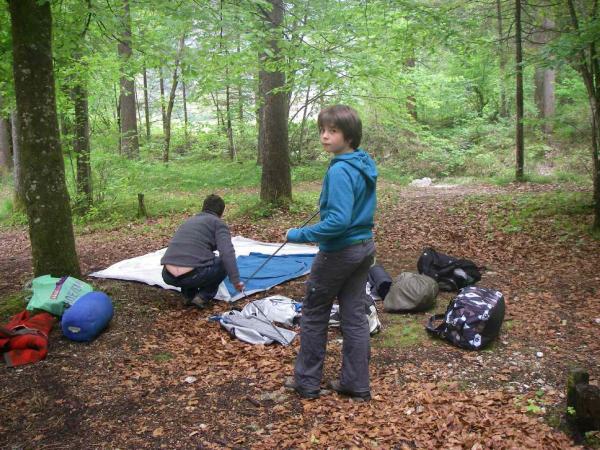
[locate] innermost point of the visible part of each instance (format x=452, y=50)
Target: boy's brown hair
x=346, y=119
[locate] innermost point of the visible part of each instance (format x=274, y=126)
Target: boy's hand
x=240, y=286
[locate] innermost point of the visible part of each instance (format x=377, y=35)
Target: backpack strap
x=440, y=329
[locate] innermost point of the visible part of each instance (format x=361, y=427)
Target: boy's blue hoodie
x=347, y=204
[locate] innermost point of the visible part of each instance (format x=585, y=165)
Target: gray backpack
x=411, y=292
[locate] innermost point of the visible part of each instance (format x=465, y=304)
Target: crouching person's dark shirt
x=195, y=241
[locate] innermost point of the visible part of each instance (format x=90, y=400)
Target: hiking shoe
x=290, y=383
x=188, y=295
x=200, y=302
x=336, y=386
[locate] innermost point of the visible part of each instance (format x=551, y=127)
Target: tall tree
x=129, y=134
x=43, y=173
x=169, y=108
x=519, y=144
x=163, y=109
x=261, y=94
x=5, y=141
x=227, y=119
x=411, y=101
x=79, y=96
x=146, y=105
x=544, y=80
x=579, y=49
x=503, y=109
x=19, y=192
x=81, y=142
x=185, y=113
x=276, y=184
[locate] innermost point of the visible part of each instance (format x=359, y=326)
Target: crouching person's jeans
x=341, y=274
x=201, y=280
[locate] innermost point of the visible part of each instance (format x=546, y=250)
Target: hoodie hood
x=360, y=160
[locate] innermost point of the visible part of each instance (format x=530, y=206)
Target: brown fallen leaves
x=163, y=376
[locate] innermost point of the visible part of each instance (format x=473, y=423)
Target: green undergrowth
x=13, y=303
x=406, y=330
x=249, y=205
x=507, y=177
x=401, y=330
x=570, y=213
x=178, y=187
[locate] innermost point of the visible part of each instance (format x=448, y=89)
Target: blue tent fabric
x=278, y=270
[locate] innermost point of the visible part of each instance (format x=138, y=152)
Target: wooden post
x=141, y=206
x=583, y=402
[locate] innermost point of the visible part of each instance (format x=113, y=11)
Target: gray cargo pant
x=341, y=274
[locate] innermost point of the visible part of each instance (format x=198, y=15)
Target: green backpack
x=52, y=294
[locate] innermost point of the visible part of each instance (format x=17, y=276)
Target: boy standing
x=346, y=252
x=189, y=262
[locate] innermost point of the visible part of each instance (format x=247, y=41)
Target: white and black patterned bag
x=472, y=320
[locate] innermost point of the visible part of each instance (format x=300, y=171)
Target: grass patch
x=592, y=439
x=404, y=330
x=394, y=174
x=163, y=357
x=507, y=177
x=570, y=212
x=12, y=304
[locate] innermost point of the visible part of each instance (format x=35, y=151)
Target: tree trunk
x=129, y=133
x=137, y=105
x=146, y=106
x=503, y=110
x=544, y=82
x=185, y=115
x=240, y=91
x=220, y=119
x=520, y=151
x=229, y=127
x=227, y=118
x=174, y=81
x=81, y=145
x=586, y=63
x=303, y=123
x=276, y=184
x=43, y=171
x=19, y=194
x=544, y=96
x=5, y=144
x=411, y=101
x=596, y=157
x=260, y=110
x=117, y=117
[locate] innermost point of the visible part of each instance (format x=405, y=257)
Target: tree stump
x=141, y=206
x=583, y=402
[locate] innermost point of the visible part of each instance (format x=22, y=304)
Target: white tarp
x=147, y=268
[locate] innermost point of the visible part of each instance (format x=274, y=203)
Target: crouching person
x=189, y=262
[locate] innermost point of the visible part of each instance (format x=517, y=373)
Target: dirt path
x=128, y=388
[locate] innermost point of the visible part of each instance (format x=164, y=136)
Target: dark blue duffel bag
x=87, y=317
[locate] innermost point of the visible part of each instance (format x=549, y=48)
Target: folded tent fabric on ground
x=292, y=261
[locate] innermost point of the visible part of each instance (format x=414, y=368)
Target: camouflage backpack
x=472, y=320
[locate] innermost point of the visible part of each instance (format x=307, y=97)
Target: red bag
x=24, y=339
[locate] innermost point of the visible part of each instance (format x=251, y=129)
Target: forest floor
x=128, y=388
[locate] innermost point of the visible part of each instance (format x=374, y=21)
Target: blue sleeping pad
x=279, y=269
x=88, y=316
